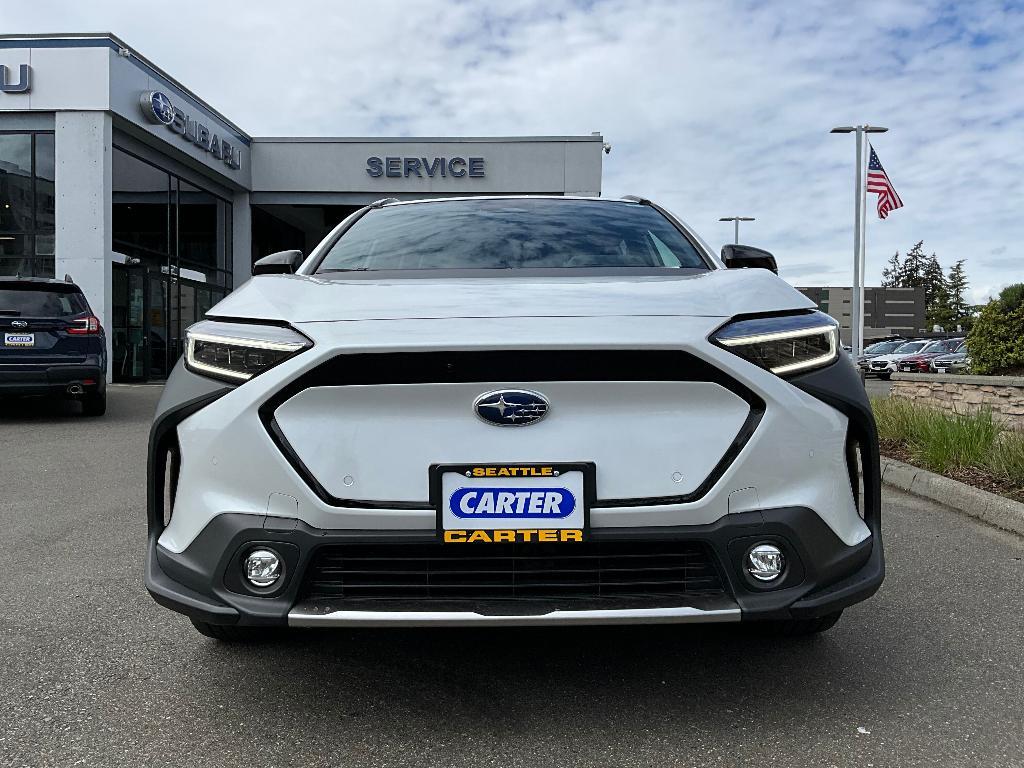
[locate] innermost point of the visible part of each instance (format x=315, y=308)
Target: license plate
x=941, y=370
x=19, y=339
x=508, y=503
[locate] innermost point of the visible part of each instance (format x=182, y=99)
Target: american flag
x=878, y=182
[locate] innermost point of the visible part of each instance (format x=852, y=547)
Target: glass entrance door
x=129, y=302
x=156, y=325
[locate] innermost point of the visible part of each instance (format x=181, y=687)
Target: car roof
x=19, y=280
x=389, y=202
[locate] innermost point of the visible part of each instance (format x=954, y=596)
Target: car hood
x=892, y=358
x=306, y=299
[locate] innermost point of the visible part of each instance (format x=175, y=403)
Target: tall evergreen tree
x=940, y=312
x=933, y=279
x=892, y=274
x=956, y=285
x=913, y=267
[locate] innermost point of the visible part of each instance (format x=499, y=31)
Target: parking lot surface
x=928, y=672
x=877, y=387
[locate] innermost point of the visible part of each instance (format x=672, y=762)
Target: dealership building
x=156, y=204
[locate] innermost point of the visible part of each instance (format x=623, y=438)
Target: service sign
x=513, y=503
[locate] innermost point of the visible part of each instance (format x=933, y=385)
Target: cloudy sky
x=712, y=108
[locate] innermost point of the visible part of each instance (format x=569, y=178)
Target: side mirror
x=747, y=256
x=280, y=263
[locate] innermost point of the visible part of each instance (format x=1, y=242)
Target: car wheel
x=95, y=404
x=227, y=633
x=804, y=627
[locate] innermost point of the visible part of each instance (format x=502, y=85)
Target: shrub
x=996, y=340
x=937, y=440
x=1008, y=458
x=945, y=442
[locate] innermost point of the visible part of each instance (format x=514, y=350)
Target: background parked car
x=957, y=362
x=884, y=366
x=876, y=349
x=51, y=344
x=921, y=362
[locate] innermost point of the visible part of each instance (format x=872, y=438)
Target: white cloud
x=713, y=108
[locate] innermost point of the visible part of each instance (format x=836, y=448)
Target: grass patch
x=972, y=447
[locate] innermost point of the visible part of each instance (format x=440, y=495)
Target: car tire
x=804, y=627
x=226, y=633
x=94, y=404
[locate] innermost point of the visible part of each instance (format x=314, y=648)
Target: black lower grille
x=434, y=571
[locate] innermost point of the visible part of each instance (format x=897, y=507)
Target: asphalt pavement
x=877, y=387
x=94, y=673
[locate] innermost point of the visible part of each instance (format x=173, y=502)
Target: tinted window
x=41, y=301
x=913, y=346
x=883, y=347
x=512, y=234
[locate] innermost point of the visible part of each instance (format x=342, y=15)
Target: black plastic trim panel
x=529, y=365
x=822, y=576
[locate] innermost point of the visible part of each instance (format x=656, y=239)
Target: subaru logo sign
x=511, y=407
x=157, y=107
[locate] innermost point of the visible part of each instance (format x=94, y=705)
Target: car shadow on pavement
x=39, y=409
x=597, y=675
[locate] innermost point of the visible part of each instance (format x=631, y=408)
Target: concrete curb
x=995, y=510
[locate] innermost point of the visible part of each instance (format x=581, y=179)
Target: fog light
x=262, y=567
x=765, y=562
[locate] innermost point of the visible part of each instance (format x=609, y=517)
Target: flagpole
x=859, y=233
x=857, y=311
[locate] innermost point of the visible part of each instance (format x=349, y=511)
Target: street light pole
x=737, y=220
x=859, y=232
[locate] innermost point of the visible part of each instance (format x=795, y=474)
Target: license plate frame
x=587, y=468
x=29, y=342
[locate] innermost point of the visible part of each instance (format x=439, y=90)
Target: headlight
x=785, y=344
x=238, y=351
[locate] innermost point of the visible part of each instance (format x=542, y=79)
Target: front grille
x=428, y=571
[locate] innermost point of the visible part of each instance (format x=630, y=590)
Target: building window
x=27, y=203
x=172, y=253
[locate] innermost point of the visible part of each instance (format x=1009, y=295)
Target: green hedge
x=996, y=341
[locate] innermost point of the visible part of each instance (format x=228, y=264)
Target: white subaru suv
x=513, y=411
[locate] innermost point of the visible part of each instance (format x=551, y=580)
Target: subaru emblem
x=511, y=407
x=157, y=108
x=19, y=324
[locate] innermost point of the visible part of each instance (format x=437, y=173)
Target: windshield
x=944, y=345
x=882, y=347
x=40, y=301
x=526, y=233
x=910, y=346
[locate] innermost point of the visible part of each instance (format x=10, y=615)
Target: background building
x=155, y=203
x=887, y=311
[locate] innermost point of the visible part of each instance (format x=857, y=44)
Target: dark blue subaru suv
x=52, y=344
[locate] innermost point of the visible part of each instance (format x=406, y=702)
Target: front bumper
x=202, y=578
x=823, y=575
